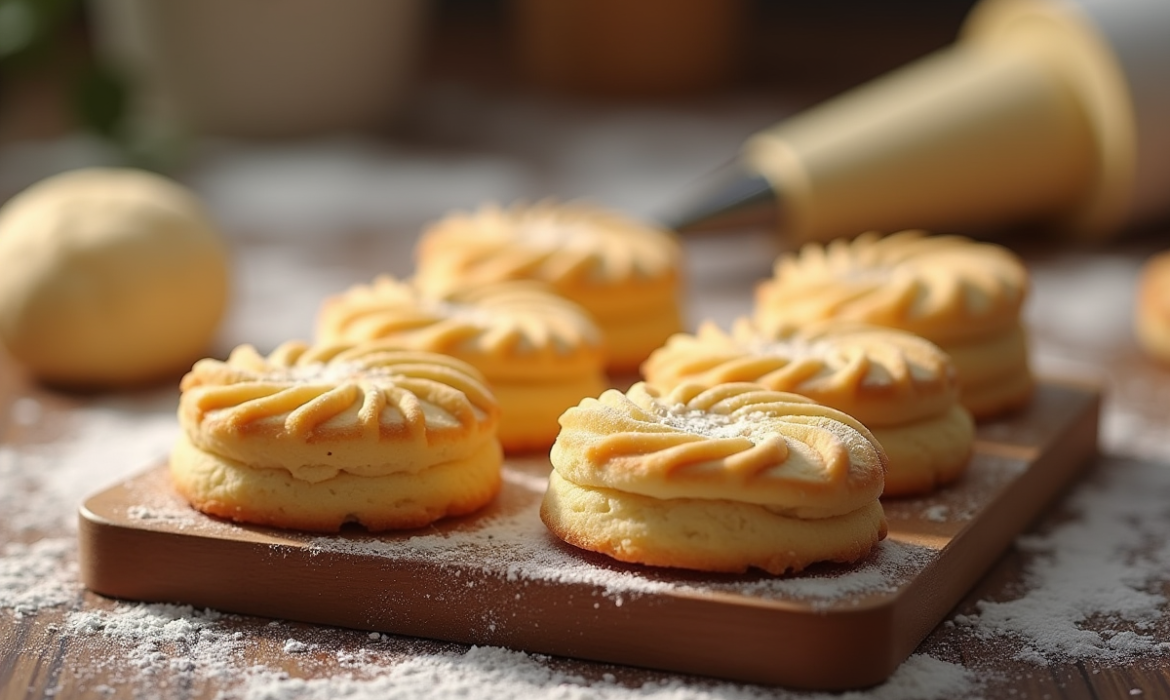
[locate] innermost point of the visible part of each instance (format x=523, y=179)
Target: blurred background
x=673, y=85
x=322, y=136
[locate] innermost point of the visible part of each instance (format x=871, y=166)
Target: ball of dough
x=110, y=277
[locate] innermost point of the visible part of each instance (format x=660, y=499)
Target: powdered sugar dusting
x=511, y=542
x=938, y=513
x=1095, y=583
x=716, y=426
x=160, y=647
x=490, y=673
x=474, y=315
x=39, y=575
x=42, y=484
x=890, y=566
x=791, y=349
x=544, y=232
x=331, y=373
x=161, y=636
x=194, y=645
x=986, y=476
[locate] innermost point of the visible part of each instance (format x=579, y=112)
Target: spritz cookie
x=715, y=479
x=313, y=438
x=961, y=295
x=899, y=385
x=626, y=274
x=539, y=352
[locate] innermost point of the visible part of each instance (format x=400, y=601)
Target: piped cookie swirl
x=314, y=437
x=722, y=478
x=539, y=352
x=963, y=296
x=901, y=386
x=624, y=273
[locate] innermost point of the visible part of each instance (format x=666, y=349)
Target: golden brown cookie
x=539, y=352
x=313, y=438
x=1152, y=311
x=961, y=295
x=899, y=385
x=720, y=479
x=927, y=453
x=994, y=376
x=624, y=273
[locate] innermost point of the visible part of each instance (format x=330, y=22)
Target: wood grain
x=38, y=656
x=139, y=541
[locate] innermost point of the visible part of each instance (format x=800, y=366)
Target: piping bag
x=1053, y=111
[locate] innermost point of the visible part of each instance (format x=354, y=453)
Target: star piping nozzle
x=1054, y=111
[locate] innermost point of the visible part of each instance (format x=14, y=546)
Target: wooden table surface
x=1078, y=317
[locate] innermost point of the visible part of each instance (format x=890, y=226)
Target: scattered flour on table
x=200, y=644
x=293, y=646
x=491, y=673
x=1136, y=435
x=1093, y=583
x=1093, y=590
x=42, y=485
x=159, y=636
x=38, y=575
x=937, y=513
x=985, y=477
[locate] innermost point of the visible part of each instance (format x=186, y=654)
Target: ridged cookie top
x=316, y=411
x=737, y=442
x=880, y=376
x=944, y=288
x=509, y=330
x=564, y=245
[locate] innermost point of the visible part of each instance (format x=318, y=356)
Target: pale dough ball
x=109, y=277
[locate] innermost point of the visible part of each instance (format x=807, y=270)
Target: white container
x=272, y=68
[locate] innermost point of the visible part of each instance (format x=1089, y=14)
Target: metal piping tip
x=731, y=197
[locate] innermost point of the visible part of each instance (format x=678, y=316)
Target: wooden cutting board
x=499, y=578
